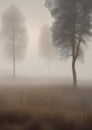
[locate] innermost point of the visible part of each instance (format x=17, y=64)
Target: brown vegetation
x=28, y=119
x=46, y=108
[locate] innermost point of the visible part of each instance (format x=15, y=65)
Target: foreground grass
x=49, y=108
x=43, y=119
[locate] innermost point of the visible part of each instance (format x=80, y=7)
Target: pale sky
x=33, y=65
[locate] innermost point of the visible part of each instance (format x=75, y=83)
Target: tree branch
x=77, y=50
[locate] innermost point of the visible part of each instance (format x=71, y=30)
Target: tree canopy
x=71, y=27
x=14, y=34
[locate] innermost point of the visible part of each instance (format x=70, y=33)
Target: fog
x=38, y=85
x=34, y=65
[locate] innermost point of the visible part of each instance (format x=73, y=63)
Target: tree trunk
x=14, y=74
x=74, y=73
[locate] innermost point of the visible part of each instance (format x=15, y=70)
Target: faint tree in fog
x=46, y=48
x=71, y=27
x=45, y=42
x=14, y=35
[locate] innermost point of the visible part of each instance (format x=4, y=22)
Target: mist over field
x=35, y=65
x=45, y=65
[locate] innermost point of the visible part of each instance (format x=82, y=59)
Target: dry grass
x=45, y=109
x=43, y=119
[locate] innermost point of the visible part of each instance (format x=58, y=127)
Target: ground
x=45, y=108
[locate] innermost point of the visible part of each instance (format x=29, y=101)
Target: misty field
x=45, y=108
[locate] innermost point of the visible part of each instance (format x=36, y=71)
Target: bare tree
x=14, y=34
x=71, y=27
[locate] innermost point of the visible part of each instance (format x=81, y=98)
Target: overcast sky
x=33, y=65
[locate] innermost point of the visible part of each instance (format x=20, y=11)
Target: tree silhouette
x=45, y=42
x=14, y=34
x=71, y=28
x=46, y=48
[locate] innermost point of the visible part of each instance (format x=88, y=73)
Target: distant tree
x=71, y=27
x=46, y=48
x=14, y=34
x=45, y=42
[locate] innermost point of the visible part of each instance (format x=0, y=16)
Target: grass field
x=45, y=108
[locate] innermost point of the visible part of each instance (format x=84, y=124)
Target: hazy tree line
x=14, y=37
x=72, y=27
x=70, y=31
